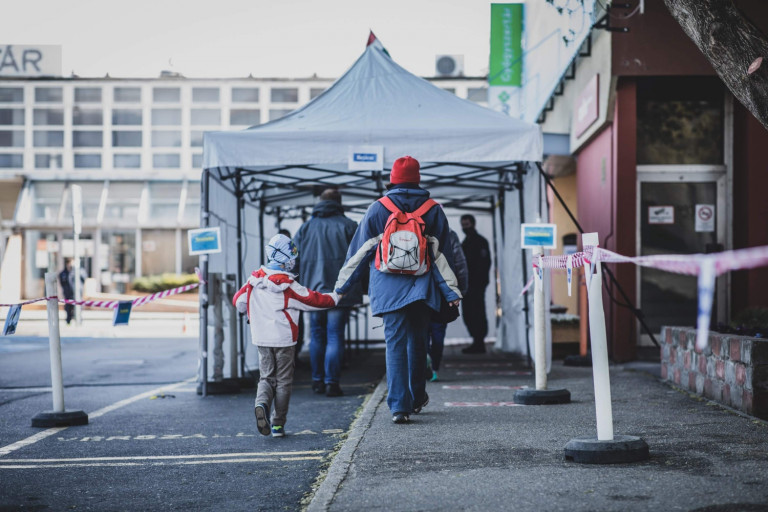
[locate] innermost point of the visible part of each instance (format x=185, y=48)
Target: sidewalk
x=471, y=449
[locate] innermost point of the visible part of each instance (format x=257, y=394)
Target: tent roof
x=376, y=102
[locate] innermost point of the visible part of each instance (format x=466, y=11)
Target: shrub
x=158, y=283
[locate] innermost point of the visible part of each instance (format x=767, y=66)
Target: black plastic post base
x=219, y=387
x=578, y=360
x=60, y=419
x=244, y=382
x=529, y=396
x=621, y=450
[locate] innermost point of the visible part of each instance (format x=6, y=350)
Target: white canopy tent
x=472, y=158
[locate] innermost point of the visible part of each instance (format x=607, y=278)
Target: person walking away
x=437, y=329
x=322, y=242
x=272, y=300
x=478, y=256
x=67, y=281
x=403, y=241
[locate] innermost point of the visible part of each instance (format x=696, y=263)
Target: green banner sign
x=506, y=66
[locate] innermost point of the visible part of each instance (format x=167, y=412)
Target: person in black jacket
x=322, y=242
x=478, y=256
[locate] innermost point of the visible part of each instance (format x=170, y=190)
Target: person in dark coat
x=322, y=242
x=478, y=256
x=67, y=281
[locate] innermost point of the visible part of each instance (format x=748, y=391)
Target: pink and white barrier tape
x=706, y=266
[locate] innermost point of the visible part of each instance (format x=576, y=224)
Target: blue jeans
x=405, y=332
x=436, y=343
x=326, y=347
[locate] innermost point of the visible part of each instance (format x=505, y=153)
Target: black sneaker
x=318, y=387
x=417, y=410
x=400, y=418
x=262, y=419
x=334, y=390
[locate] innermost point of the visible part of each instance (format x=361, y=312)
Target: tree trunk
x=732, y=44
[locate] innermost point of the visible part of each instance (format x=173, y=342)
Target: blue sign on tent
x=204, y=241
x=538, y=235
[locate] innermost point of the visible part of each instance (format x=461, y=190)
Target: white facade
x=135, y=146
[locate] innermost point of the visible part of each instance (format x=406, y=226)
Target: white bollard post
x=600, y=372
x=539, y=328
x=54, y=341
x=58, y=417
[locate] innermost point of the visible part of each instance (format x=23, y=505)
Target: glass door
x=679, y=213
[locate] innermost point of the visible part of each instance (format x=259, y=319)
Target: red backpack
x=403, y=246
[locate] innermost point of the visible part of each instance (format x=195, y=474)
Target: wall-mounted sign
x=538, y=235
x=586, y=110
x=204, y=241
x=19, y=60
x=705, y=218
x=366, y=158
x=661, y=215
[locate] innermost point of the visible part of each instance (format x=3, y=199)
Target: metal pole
x=525, y=281
x=205, y=221
x=78, y=285
x=54, y=341
x=240, y=329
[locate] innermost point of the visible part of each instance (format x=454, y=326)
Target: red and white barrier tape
x=706, y=266
x=26, y=302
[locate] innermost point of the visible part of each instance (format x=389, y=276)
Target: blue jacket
x=322, y=242
x=390, y=292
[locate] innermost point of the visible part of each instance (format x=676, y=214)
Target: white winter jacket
x=272, y=300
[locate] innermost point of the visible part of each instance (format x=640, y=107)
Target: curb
x=339, y=468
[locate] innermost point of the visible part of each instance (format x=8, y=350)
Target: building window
x=11, y=95
x=166, y=116
x=248, y=117
x=49, y=94
x=11, y=139
x=166, y=95
x=245, y=95
x=83, y=139
x=680, y=121
x=127, y=94
x=87, y=117
x=88, y=94
x=285, y=95
x=314, y=92
x=166, y=138
x=477, y=94
x=11, y=161
x=87, y=161
x=126, y=116
x=451, y=90
x=12, y=116
x=205, y=94
x=205, y=116
x=196, y=138
x=48, y=116
x=48, y=139
x=47, y=161
x=126, y=139
x=166, y=160
x=197, y=160
x=126, y=161
x=277, y=113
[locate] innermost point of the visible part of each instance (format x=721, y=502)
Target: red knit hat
x=405, y=170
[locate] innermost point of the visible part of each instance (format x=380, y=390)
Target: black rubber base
x=220, y=387
x=244, y=382
x=529, y=396
x=623, y=449
x=60, y=419
x=578, y=360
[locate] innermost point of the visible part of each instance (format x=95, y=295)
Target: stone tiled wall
x=732, y=370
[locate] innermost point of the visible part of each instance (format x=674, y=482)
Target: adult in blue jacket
x=322, y=242
x=404, y=302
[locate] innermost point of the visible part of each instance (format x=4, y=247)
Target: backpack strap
x=389, y=204
x=425, y=207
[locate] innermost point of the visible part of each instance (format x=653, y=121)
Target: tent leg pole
x=204, y=292
x=240, y=330
x=525, y=280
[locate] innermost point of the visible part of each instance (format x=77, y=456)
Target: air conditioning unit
x=449, y=65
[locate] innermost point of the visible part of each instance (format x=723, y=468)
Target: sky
x=237, y=38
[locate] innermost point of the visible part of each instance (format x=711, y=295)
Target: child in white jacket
x=272, y=298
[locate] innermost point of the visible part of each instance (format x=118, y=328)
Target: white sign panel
x=538, y=235
x=20, y=60
x=366, y=158
x=705, y=218
x=661, y=215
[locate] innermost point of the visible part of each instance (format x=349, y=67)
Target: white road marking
x=492, y=372
x=481, y=364
x=482, y=404
x=483, y=387
x=172, y=457
x=5, y=450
